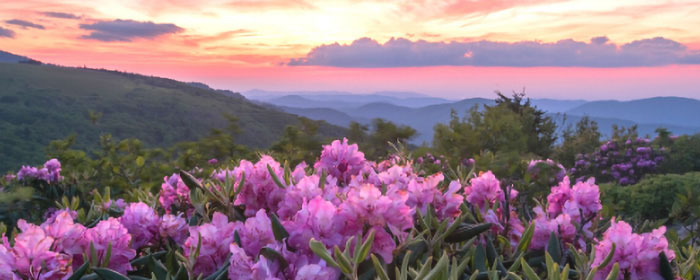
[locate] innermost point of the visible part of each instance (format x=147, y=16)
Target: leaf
x=278, y=230
x=665, y=267
x=425, y=268
x=157, y=268
x=608, y=258
x=466, y=231
x=190, y=181
x=140, y=161
x=343, y=261
x=271, y=254
x=528, y=271
x=614, y=272
x=79, y=272
x=221, y=271
x=363, y=251
x=554, y=248
x=144, y=260
x=480, y=258
x=108, y=255
x=274, y=177
x=108, y=274
x=320, y=250
x=439, y=268
x=93, y=255
x=379, y=268
x=524, y=242
x=322, y=181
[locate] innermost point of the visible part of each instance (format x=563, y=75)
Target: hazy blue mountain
x=557, y=105
x=329, y=115
x=605, y=125
x=340, y=99
x=7, y=57
x=659, y=110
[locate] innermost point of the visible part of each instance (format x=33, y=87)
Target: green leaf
x=79, y=272
x=614, y=272
x=345, y=265
x=140, y=161
x=271, y=254
x=278, y=230
x=108, y=274
x=190, y=181
x=528, y=271
x=108, y=255
x=466, y=231
x=554, y=248
x=524, y=242
x=363, y=251
x=274, y=177
x=665, y=267
x=322, y=180
x=144, y=259
x=439, y=268
x=221, y=271
x=608, y=258
x=320, y=250
x=480, y=258
x=379, y=268
x=425, y=268
x=93, y=255
x=157, y=268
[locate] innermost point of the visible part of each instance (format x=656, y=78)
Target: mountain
x=340, y=99
x=556, y=105
x=659, y=110
x=40, y=103
x=7, y=57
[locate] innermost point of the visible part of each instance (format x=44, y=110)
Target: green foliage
x=299, y=143
x=684, y=154
x=41, y=103
x=375, y=144
x=650, y=199
x=582, y=140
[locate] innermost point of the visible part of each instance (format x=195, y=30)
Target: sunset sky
x=577, y=49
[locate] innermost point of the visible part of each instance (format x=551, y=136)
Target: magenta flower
x=636, y=254
x=256, y=233
x=215, y=239
x=317, y=219
x=26, y=173
x=175, y=193
x=559, y=195
x=305, y=189
x=341, y=160
x=33, y=255
x=7, y=261
x=142, y=222
x=587, y=197
x=68, y=236
x=244, y=268
x=107, y=232
x=259, y=190
x=316, y=272
x=447, y=204
x=174, y=227
x=367, y=206
x=484, y=190
x=213, y=161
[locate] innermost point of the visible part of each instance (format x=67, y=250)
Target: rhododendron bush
x=341, y=217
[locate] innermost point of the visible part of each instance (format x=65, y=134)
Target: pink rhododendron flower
x=587, y=197
x=515, y=228
x=118, y=204
x=558, y=196
x=366, y=205
x=317, y=219
x=174, y=227
x=256, y=233
x=447, y=204
x=259, y=190
x=68, y=236
x=244, y=268
x=215, y=240
x=142, y=222
x=484, y=190
x=341, y=160
x=33, y=256
x=7, y=261
x=637, y=254
x=107, y=232
x=316, y=272
x=305, y=189
x=174, y=192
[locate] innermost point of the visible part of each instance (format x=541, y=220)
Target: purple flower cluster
x=623, y=162
x=567, y=207
x=174, y=194
x=341, y=160
x=50, y=172
x=554, y=171
x=637, y=254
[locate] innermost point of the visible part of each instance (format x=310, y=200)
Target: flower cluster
x=174, y=194
x=637, y=254
x=50, y=172
x=623, y=162
x=552, y=171
x=567, y=208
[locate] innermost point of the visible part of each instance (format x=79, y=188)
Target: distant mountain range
x=7, y=57
x=680, y=115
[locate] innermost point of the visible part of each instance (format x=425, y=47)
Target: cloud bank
x=60, y=15
x=598, y=52
x=127, y=30
x=24, y=23
x=6, y=33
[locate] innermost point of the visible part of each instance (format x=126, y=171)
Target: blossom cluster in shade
x=624, y=162
x=341, y=196
x=50, y=172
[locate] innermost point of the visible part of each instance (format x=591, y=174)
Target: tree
x=584, y=139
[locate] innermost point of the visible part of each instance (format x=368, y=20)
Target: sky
x=565, y=49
